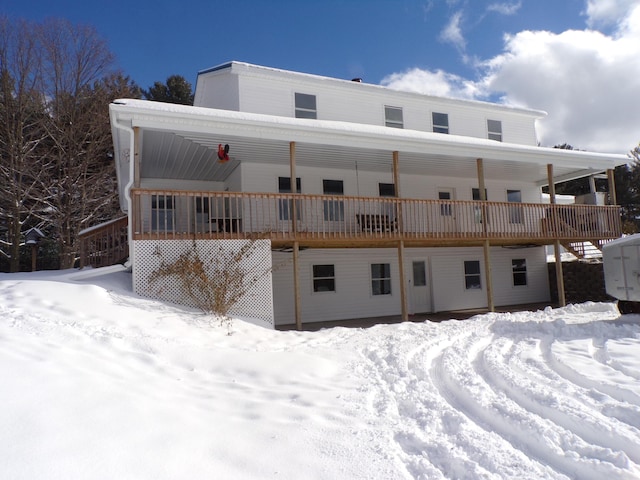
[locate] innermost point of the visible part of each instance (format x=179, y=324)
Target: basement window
x=324, y=278
x=519, y=269
x=380, y=279
x=472, y=275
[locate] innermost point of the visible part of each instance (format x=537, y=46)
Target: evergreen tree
x=176, y=90
x=627, y=179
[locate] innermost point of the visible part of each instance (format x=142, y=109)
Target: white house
x=402, y=203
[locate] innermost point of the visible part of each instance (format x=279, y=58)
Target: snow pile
x=99, y=383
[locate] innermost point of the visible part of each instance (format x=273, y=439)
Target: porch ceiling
x=193, y=156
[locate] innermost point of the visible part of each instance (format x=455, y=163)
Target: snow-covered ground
x=97, y=383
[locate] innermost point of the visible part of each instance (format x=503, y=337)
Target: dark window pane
x=323, y=271
x=419, y=274
x=440, y=122
x=324, y=285
x=380, y=270
x=387, y=189
x=514, y=196
x=472, y=282
x=471, y=267
x=305, y=101
x=333, y=187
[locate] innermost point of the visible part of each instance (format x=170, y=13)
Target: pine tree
x=176, y=90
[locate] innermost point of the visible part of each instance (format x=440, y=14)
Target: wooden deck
x=342, y=221
x=325, y=221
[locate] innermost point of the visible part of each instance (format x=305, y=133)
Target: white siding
x=266, y=91
x=217, y=90
x=257, y=177
x=353, y=298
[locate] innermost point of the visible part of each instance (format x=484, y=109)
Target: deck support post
x=403, y=283
x=487, y=275
x=296, y=286
x=296, y=246
x=294, y=187
x=556, y=244
x=612, y=187
x=486, y=245
x=136, y=157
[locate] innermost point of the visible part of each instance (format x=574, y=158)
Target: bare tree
x=78, y=184
x=22, y=135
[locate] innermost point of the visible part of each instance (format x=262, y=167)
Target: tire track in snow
x=433, y=439
x=455, y=373
x=565, y=407
x=563, y=356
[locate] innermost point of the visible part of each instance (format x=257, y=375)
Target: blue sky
x=451, y=47
x=369, y=38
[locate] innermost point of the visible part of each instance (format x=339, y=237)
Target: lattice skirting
x=148, y=255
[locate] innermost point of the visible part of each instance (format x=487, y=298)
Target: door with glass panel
x=419, y=286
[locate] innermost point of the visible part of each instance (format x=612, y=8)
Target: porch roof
x=181, y=142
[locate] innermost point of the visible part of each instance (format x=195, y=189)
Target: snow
x=99, y=383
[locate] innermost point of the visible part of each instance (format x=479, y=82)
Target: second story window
x=306, y=106
x=440, y=122
x=494, y=128
x=393, y=117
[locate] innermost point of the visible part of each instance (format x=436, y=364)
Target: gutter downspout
x=117, y=124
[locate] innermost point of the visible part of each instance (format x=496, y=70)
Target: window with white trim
x=494, y=130
x=440, y=122
x=477, y=210
x=333, y=209
x=516, y=212
x=472, y=279
x=445, y=207
x=285, y=207
x=519, y=271
x=324, y=278
x=380, y=279
x=306, y=105
x=393, y=117
x=162, y=212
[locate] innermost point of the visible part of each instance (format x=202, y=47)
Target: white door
x=446, y=214
x=419, y=287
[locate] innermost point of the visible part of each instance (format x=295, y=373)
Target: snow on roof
x=374, y=133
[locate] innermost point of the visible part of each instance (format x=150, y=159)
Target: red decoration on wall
x=223, y=153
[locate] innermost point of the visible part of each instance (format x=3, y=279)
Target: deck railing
x=104, y=244
x=168, y=214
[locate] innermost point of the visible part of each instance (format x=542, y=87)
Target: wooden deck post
x=403, y=287
x=296, y=286
x=556, y=244
x=486, y=246
x=294, y=187
x=296, y=246
x=403, y=284
x=136, y=157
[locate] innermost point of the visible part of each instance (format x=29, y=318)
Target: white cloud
x=452, y=33
x=505, y=8
x=586, y=80
x=437, y=83
x=607, y=12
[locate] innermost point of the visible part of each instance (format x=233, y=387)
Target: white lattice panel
x=257, y=304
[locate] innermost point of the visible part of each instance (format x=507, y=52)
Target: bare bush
x=214, y=278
